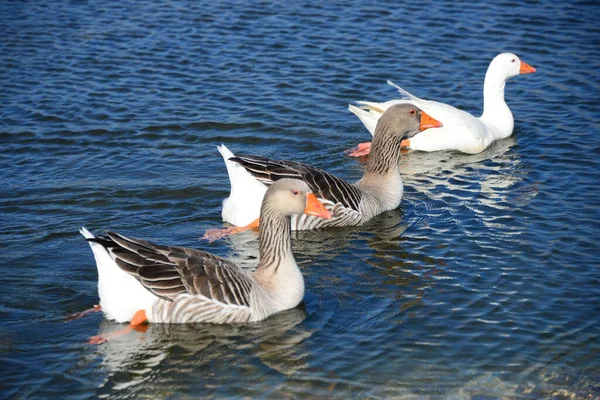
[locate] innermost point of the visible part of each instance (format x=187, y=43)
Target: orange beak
x=428, y=122
x=315, y=207
x=526, y=68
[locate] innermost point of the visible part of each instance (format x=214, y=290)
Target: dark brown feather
x=323, y=184
x=171, y=271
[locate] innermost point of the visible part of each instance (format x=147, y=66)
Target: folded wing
x=171, y=271
x=326, y=186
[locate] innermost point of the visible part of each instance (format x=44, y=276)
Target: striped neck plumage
x=275, y=242
x=385, y=151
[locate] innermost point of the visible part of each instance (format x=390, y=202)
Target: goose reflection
x=137, y=358
x=423, y=163
x=495, y=175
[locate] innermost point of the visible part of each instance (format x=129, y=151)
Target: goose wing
x=169, y=271
x=326, y=186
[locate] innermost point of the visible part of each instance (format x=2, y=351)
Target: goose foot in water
x=218, y=233
x=83, y=313
x=136, y=323
x=363, y=149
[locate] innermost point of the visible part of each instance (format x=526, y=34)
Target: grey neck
x=385, y=152
x=275, y=243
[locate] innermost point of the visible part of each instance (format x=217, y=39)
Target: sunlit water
x=483, y=284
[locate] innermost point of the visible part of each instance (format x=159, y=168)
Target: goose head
x=506, y=65
x=293, y=196
x=395, y=127
x=403, y=121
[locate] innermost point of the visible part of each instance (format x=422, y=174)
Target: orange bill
x=428, y=122
x=315, y=207
x=526, y=68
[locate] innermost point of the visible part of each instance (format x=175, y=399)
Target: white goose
x=461, y=131
x=380, y=189
x=140, y=281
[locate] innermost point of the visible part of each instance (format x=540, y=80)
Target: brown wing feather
x=169, y=271
x=325, y=185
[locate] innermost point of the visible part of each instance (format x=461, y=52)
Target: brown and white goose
x=380, y=189
x=139, y=280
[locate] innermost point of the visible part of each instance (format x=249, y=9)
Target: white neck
x=496, y=114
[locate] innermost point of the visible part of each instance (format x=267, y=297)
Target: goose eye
x=513, y=60
x=412, y=112
x=295, y=192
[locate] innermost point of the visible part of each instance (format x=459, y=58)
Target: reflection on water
x=493, y=174
x=489, y=185
x=137, y=358
x=415, y=163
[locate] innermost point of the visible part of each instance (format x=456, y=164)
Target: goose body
x=379, y=190
x=172, y=284
x=461, y=131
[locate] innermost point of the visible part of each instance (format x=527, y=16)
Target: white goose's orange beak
x=315, y=207
x=428, y=121
x=526, y=68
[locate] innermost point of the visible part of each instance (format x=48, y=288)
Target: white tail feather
x=405, y=95
x=244, y=201
x=86, y=234
x=121, y=295
x=368, y=115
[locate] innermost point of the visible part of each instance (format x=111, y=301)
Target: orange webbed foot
x=362, y=150
x=97, y=339
x=83, y=313
x=218, y=233
x=136, y=323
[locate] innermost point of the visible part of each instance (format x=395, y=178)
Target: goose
x=461, y=131
x=140, y=281
x=380, y=189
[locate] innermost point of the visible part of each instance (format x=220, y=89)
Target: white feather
x=244, y=201
x=121, y=295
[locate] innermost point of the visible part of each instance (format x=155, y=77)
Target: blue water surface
x=484, y=284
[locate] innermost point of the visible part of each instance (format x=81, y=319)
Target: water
x=483, y=284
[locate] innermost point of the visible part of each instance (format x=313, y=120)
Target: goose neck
x=384, y=155
x=496, y=116
x=275, y=243
x=493, y=92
